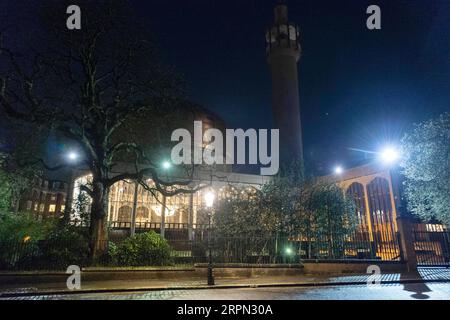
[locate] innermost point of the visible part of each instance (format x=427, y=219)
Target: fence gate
x=432, y=248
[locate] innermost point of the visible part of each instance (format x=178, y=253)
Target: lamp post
x=390, y=156
x=71, y=157
x=133, y=212
x=166, y=165
x=209, y=201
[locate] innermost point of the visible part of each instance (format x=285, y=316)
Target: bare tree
x=90, y=85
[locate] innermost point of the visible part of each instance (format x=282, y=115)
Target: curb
x=205, y=287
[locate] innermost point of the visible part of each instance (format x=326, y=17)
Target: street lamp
x=72, y=156
x=288, y=253
x=209, y=201
x=338, y=170
x=166, y=165
x=389, y=155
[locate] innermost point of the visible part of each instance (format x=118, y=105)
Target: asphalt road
x=430, y=291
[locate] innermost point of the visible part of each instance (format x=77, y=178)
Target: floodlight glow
x=209, y=199
x=72, y=156
x=389, y=155
x=338, y=170
x=288, y=251
x=166, y=165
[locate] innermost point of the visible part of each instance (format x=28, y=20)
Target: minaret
x=283, y=52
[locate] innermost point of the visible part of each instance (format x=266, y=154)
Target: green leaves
x=14, y=227
x=426, y=166
x=287, y=207
x=144, y=249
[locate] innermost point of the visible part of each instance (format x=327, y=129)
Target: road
x=438, y=291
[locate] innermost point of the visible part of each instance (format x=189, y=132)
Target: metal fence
x=155, y=225
x=263, y=250
x=42, y=255
x=432, y=248
x=234, y=250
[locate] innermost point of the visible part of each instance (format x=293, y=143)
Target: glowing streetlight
x=389, y=155
x=289, y=251
x=166, y=165
x=72, y=156
x=209, y=199
x=338, y=170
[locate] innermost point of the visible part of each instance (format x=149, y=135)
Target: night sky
x=358, y=88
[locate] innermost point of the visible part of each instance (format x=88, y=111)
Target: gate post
x=404, y=221
x=408, y=252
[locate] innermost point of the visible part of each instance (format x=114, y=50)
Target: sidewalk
x=423, y=275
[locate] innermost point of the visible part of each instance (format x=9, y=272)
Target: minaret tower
x=283, y=52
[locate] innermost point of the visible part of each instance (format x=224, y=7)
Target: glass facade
x=149, y=204
x=373, y=205
x=356, y=191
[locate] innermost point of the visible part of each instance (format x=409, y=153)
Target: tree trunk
x=17, y=204
x=98, y=227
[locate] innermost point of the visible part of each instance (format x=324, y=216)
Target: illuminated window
x=356, y=191
x=380, y=207
x=41, y=207
x=142, y=214
x=125, y=214
x=434, y=227
x=381, y=214
x=52, y=208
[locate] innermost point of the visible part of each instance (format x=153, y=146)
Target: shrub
x=63, y=247
x=144, y=249
x=15, y=227
x=20, y=234
x=111, y=256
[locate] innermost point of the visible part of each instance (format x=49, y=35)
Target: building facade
x=150, y=210
x=45, y=197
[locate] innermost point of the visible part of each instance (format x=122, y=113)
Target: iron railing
x=155, y=225
x=42, y=255
x=144, y=225
x=432, y=248
x=261, y=250
x=234, y=250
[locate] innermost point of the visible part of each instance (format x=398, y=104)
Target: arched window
x=184, y=212
x=356, y=191
x=154, y=217
x=381, y=212
x=124, y=214
x=142, y=214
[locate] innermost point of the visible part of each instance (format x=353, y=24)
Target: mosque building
x=372, y=185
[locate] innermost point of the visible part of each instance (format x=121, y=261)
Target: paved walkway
x=423, y=275
x=412, y=291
